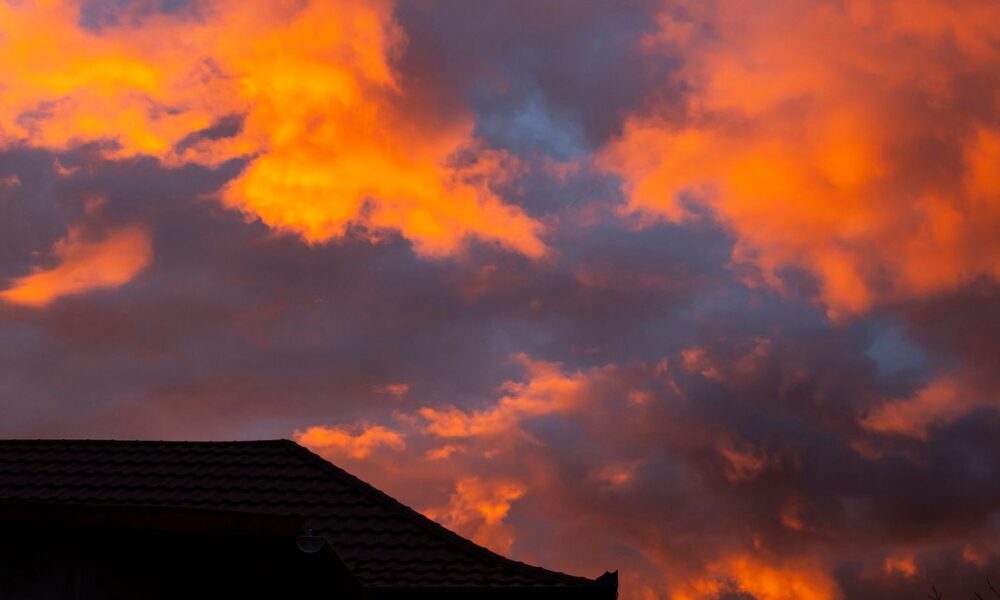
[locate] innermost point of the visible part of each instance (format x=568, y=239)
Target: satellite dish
x=310, y=543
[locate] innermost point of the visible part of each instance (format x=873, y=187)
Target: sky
x=704, y=291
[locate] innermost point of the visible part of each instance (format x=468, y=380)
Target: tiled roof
x=383, y=543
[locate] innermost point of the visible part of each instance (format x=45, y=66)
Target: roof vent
x=309, y=542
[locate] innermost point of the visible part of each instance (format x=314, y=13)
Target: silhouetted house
x=115, y=519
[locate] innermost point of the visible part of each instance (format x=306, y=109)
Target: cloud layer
x=871, y=167
x=703, y=291
x=304, y=92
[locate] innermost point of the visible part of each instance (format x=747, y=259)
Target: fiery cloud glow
x=764, y=581
x=720, y=281
x=341, y=440
x=873, y=168
x=316, y=109
x=83, y=265
x=547, y=392
x=476, y=505
x=941, y=402
x=480, y=507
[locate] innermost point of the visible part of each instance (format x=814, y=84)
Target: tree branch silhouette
x=989, y=584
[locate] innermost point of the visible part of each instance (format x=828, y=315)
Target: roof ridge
x=426, y=523
x=390, y=544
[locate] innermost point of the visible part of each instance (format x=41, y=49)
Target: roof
x=385, y=544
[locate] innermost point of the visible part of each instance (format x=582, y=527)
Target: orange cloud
x=869, y=166
x=727, y=369
x=901, y=564
x=340, y=440
x=443, y=453
x=974, y=556
x=332, y=136
x=477, y=508
x=791, y=516
x=84, y=265
x=697, y=360
x=473, y=471
x=764, y=580
x=444, y=466
x=614, y=476
x=941, y=402
x=396, y=390
x=745, y=463
x=547, y=391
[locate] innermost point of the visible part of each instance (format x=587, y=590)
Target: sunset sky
x=707, y=291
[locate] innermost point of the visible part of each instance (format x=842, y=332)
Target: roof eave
x=594, y=592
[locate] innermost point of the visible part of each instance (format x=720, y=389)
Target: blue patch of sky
x=532, y=127
x=893, y=352
x=96, y=15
